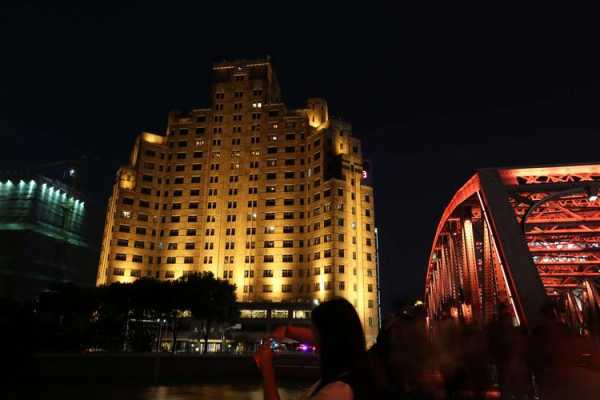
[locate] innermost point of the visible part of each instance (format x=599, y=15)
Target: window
x=287, y=273
x=267, y=288
x=288, y=215
x=285, y=288
x=122, y=242
x=288, y=243
x=271, y=176
x=267, y=273
x=341, y=285
x=173, y=232
x=288, y=229
x=118, y=271
x=287, y=258
x=190, y=246
x=138, y=244
x=137, y=258
x=121, y=257
x=269, y=244
x=270, y=202
x=269, y=216
x=268, y=259
x=136, y=273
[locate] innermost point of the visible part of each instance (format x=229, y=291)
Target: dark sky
x=434, y=93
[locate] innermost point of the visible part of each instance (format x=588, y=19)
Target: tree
x=211, y=301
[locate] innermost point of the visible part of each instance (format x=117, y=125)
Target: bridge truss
x=512, y=239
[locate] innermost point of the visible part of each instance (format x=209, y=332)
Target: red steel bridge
x=513, y=239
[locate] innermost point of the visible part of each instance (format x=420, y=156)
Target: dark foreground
x=158, y=368
x=230, y=389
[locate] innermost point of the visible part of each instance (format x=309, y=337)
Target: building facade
x=44, y=235
x=272, y=199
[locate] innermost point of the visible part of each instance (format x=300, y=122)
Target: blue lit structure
x=43, y=235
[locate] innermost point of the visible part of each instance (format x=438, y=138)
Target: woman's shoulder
x=337, y=390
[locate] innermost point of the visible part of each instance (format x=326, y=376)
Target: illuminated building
x=272, y=199
x=43, y=234
x=512, y=239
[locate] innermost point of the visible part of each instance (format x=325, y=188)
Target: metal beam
x=526, y=285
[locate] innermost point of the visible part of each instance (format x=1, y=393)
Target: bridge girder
x=485, y=256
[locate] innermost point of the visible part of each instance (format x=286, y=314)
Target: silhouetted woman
x=340, y=341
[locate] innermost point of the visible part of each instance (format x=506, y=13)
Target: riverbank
x=159, y=367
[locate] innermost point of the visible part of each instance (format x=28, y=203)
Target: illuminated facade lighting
x=227, y=190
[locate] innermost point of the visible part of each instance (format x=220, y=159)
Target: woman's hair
x=341, y=342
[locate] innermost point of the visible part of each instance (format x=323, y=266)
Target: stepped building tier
x=274, y=200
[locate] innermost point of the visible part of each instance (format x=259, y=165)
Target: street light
x=590, y=188
x=592, y=191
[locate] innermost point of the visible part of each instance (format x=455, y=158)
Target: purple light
x=303, y=347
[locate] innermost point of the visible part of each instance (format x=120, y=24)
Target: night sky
x=433, y=93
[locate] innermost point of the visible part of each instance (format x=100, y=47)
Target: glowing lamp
x=592, y=192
